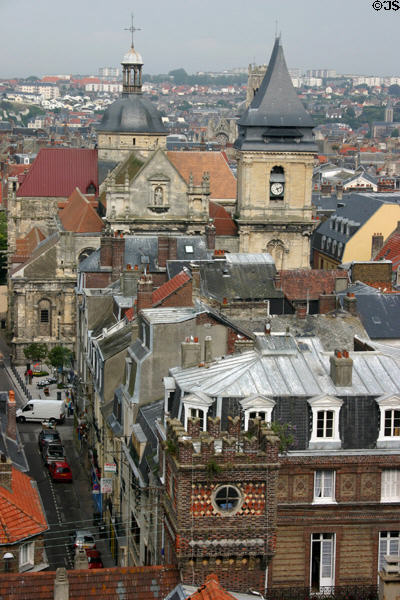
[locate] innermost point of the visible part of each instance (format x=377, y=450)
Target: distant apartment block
x=109, y=72
x=321, y=73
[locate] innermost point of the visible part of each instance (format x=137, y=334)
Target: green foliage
x=170, y=447
x=394, y=90
x=285, y=432
x=180, y=77
x=59, y=356
x=3, y=248
x=213, y=468
x=395, y=133
x=36, y=351
x=40, y=373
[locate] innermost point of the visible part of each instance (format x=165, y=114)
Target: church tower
x=132, y=122
x=275, y=164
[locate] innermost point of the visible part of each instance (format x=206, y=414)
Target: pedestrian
x=30, y=375
x=70, y=408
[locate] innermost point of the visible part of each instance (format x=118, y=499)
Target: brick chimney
x=195, y=270
x=163, y=251
x=301, y=310
x=376, y=244
x=210, y=235
x=11, y=431
x=144, y=292
x=327, y=303
x=172, y=248
x=341, y=368
x=129, y=280
x=5, y=472
x=61, y=584
x=106, y=251
x=190, y=353
x=350, y=303
x=326, y=189
x=118, y=254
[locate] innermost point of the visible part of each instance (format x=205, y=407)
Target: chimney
x=350, y=303
x=195, y=270
x=208, y=349
x=106, y=251
x=327, y=303
x=163, y=251
x=341, y=368
x=61, y=584
x=80, y=559
x=376, y=244
x=11, y=431
x=301, y=311
x=278, y=280
x=118, y=254
x=210, y=235
x=339, y=191
x=129, y=280
x=326, y=189
x=144, y=293
x=172, y=248
x=190, y=353
x=5, y=472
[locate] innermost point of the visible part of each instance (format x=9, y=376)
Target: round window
x=227, y=499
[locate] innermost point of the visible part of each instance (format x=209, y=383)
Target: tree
x=59, y=356
x=394, y=133
x=180, y=76
x=36, y=352
x=394, y=90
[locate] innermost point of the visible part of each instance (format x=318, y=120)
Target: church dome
x=132, y=113
x=132, y=58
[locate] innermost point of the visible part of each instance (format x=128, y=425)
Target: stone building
x=275, y=151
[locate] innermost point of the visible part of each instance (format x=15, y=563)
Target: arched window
x=44, y=318
x=323, y=240
x=277, y=183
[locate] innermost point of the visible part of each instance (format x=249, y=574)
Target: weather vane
x=132, y=29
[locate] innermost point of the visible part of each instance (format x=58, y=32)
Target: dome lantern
x=132, y=64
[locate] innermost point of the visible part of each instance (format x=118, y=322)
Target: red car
x=94, y=559
x=60, y=471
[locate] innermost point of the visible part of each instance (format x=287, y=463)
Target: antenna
x=132, y=29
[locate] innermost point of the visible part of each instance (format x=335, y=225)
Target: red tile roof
x=140, y=583
x=222, y=180
x=211, y=590
x=169, y=287
x=56, y=172
x=79, y=214
x=391, y=250
x=26, y=245
x=224, y=224
x=14, y=170
x=301, y=284
x=21, y=513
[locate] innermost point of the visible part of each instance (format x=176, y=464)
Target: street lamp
x=7, y=557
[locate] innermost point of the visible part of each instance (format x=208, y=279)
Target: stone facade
x=118, y=146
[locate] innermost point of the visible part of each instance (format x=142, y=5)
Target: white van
x=42, y=410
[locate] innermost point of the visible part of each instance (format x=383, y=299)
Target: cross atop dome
x=132, y=64
x=132, y=29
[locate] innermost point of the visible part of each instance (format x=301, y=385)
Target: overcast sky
x=78, y=36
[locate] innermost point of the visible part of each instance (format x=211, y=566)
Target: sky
x=49, y=37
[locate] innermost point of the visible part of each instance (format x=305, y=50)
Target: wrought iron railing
x=347, y=592
x=20, y=381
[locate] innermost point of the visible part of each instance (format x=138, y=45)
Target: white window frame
x=27, y=555
x=199, y=403
x=390, y=485
x=324, y=486
x=323, y=404
x=257, y=404
x=389, y=544
x=327, y=559
x=388, y=402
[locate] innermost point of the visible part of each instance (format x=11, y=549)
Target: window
x=324, y=487
x=389, y=430
x=26, y=554
x=135, y=530
x=197, y=413
x=390, y=485
x=257, y=406
x=189, y=249
x=322, y=561
x=227, y=499
x=44, y=315
x=325, y=422
x=388, y=544
x=323, y=240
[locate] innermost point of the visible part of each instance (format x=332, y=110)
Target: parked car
x=48, y=436
x=53, y=453
x=84, y=538
x=94, y=559
x=60, y=471
x=46, y=382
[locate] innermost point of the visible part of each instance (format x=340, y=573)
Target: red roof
x=301, y=284
x=224, y=224
x=169, y=287
x=21, y=513
x=56, y=172
x=14, y=170
x=26, y=245
x=211, y=590
x=140, y=583
x=391, y=250
x=79, y=214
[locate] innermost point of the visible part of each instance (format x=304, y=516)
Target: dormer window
x=195, y=406
x=257, y=406
x=325, y=422
x=323, y=241
x=389, y=430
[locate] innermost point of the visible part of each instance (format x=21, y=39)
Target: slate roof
x=140, y=583
x=284, y=367
x=298, y=284
x=169, y=287
x=391, y=250
x=379, y=313
x=133, y=113
x=56, y=172
x=114, y=343
x=239, y=277
x=222, y=180
x=223, y=222
x=14, y=449
x=79, y=214
x=21, y=512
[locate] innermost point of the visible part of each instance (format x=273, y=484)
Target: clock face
x=276, y=189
